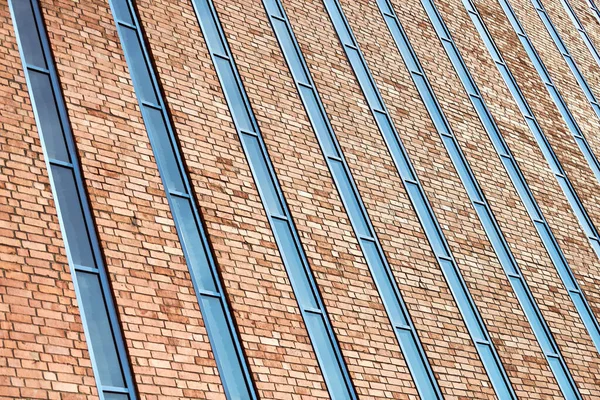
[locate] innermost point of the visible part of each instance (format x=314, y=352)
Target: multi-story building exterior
x=299, y=199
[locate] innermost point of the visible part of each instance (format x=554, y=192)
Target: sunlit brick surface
x=43, y=350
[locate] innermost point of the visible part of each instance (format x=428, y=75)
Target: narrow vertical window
x=482, y=207
x=98, y=312
x=581, y=29
x=224, y=339
x=514, y=172
x=320, y=331
x=542, y=71
x=376, y=260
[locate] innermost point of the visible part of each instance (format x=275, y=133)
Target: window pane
x=47, y=112
x=327, y=358
x=225, y=352
x=318, y=121
x=400, y=159
x=31, y=46
x=190, y=237
x=289, y=50
x=462, y=299
x=73, y=221
x=163, y=149
x=294, y=265
x=495, y=373
x=417, y=364
x=364, y=79
x=384, y=283
x=262, y=175
x=137, y=65
x=101, y=337
x=209, y=27
x=115, y=396
x=122, y=11
x=233, y=93
x=350, y=197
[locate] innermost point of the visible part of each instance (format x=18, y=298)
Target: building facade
x=299, y=199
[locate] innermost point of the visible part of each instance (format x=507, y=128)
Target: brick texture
x=43, y=354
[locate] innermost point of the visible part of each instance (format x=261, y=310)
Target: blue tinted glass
x=72, y=216
x=115, y=396
x=494, y=372
x=364, y=79
x=385, y=7
x=273, y=8
x=394, y=146
x=289, y=50
x=318, y=121
x=462, y=299
x=98, y=324
x=338, y=22
x=384, y=281
x=122, y=12
x=586, y=316
x=418, y=370
x=294, y=264
x=562, y=376
x=426, y=218
x=461, y=168
x=222, y=344
x=402, y=43
x=137, y=65
x=434, y=111
x=233, y=92
x=328, y=361
x=460, y=69
x=262, y=175
x=350, y=198
x=530, y=312
x=190, y=239
x=49, y=120
x=522, y=189
x=209, y=27
x=163, y=149
x=29, y=37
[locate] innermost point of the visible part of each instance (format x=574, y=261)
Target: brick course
x=43, y=353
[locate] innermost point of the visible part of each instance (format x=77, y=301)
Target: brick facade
x=43, y=350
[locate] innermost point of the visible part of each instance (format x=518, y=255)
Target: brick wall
x=43, y=353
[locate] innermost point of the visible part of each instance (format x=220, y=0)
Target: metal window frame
x=478, y=200
x=581, y=29
x=594, y=9
x=99, y=269
x=312, y=308
x=510, y=164
x=223, y=336
x=376, y=260
x=564, y=51
x=544, y=75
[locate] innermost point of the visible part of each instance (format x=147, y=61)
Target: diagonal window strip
x=564, y=51
x=376, y=260
x=581, y=29
x=575, y=202
x=316, y=319
x=490, y=225
x=538, y=324
x=224, y=339
x=537, y=62
x=98, y=312
x=594, y=9
x=493, y=365
x=515, y=173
